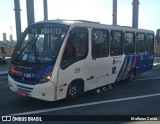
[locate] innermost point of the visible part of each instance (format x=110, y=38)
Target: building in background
x=11, y=38
x=8, y=45
x=4, y=37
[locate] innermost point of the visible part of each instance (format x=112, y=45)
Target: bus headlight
x=45, y=78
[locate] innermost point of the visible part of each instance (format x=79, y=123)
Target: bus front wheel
x=74, y=90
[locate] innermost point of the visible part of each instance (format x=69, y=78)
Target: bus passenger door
x=73, y=61
x=100, y=52
x=100, y=71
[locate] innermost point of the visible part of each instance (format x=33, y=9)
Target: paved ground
x=4, y=68
x=138, y=98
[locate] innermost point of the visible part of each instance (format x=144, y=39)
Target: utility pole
x=17, y=18
x=114, y=12
x=45, y=7
x=30, y=11
x=135, y=15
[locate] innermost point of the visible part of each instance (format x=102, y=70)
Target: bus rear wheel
x=131, y=75
x=74, y=90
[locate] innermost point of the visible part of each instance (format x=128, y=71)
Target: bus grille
x=27, y=90
x=24, y=80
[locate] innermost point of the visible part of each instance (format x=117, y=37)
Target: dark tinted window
x=40, y=43
x=116, y=44
x=100, y=43
x=129, y=43
x=76, y=47
x=150, y=42
x=140, y=44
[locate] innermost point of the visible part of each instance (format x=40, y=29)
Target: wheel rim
x=131, y=78
x=72, y=91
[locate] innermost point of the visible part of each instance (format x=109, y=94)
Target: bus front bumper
x=44, y=91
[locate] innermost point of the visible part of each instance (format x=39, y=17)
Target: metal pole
x=158, y=51
x=135, y=15
x=45, y=7
x=30, y=11
x=17, y=18
x=114, y=12
x=158, y=44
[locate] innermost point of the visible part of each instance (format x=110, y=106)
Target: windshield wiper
x=17, y=56
x=36, y=55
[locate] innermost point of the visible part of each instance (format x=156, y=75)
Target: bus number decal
x=27, y=75
x=77, y=70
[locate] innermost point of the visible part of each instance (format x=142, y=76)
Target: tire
x=74, y=91
x=131, y=76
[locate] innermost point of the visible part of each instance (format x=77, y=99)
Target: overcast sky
x=93, y=10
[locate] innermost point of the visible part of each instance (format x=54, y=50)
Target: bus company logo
x=116, y=62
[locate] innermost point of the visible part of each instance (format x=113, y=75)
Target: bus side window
x=129, y=43
x=150, y=43
x=116, y=43
x=140, y=43
x=76, y=48
x=100, y=43
x=70, y=49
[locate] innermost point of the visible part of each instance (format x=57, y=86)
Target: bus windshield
x=40, y=43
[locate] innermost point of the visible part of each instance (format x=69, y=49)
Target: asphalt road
x=137, y=98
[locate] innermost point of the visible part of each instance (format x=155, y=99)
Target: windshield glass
x=40, y=43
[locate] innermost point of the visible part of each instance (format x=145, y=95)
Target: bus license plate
x=22, y=93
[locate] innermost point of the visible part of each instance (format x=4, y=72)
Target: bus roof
x=93, y=24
